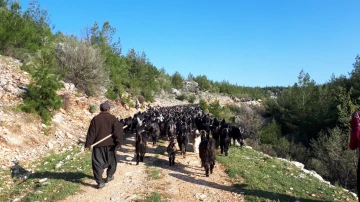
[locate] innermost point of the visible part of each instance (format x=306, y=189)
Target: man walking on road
x=104, y=153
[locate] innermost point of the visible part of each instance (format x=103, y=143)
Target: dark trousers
x=103, y=157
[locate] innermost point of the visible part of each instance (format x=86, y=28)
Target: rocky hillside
x=23, y=138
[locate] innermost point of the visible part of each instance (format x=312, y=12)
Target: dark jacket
x=101, y=126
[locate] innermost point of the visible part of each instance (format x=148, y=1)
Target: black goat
x=224, y=141
x=171, y=150
x=207, y=155
x=140, y=146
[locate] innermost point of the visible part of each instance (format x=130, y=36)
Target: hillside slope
x=23, y=138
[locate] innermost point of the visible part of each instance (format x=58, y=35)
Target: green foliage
x=336, y=161
x=58, y=186
x=154, y=197
x=203, y=105
x=93, y=108
x=82, y=64
x=282, y=148
x=23, y=32
x=215, y=108
x=111, y=94
x=41, y=97
x=203, y=82
x=192, y=99
x=270, y=133
x=263, y=178
x=345, y=107
x=148, y=96
x=164, y=80
x=177, y=80
x=354, y=79
x=304, y=109
x=153, y=173
x=181, y=97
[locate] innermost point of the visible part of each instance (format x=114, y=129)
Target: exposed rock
x=69, y=135
x=298, y=164
x=191, y=86
x=175, y=91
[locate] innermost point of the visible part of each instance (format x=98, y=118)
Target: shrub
x=181, y=97
x=93, y=108
x=111, y=95
x=177, y=80
x=215, y=108
x=125, y=100
x=191, y=99
x=282, y=148
x=234, y=108
x=267, y=149
x=148, y=96
x=203, y=104
x=331, y=150
x=270, y=133
x=82, y=64
x=41, y=97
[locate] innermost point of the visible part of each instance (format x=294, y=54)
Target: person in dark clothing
x=104, y=153
x=355, y=141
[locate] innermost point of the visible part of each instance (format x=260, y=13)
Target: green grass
x=154, y=197
x=264, y=178
x=61, y=182
x=153, y=173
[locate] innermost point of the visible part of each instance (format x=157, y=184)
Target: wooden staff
x=96, y=143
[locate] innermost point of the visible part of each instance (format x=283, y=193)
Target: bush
x=124, y=100
x=234, y=108
x=93, y=108
x=110, y=94
x=191, y=99
x=331, y=150
x=82, y=65
x=181, y=97
x=177, y=80
x=41, y=97
x=215, y=108
x=270, y=133
x=282, y=148
x=267, y=149
x=203, y=105
x=149, y=97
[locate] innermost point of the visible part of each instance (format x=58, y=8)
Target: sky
x=246, y=42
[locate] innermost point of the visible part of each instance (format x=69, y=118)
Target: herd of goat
x=183, y=124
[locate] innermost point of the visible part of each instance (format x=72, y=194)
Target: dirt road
x=185, y=181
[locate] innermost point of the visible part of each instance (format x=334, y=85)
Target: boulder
x=175, y=91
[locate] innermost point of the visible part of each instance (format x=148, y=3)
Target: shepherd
x=104, y=153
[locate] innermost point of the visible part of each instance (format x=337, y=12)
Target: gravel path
x=185, y=181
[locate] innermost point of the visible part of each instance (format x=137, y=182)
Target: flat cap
x=104, y=106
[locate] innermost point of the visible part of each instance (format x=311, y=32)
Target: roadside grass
x=49, y=183
x=264, y=178
x=154, y=197
x=153, y=173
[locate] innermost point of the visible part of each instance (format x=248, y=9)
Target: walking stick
x=96, y=143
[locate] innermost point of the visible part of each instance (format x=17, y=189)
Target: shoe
x=110, y=178
x=101, y=185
